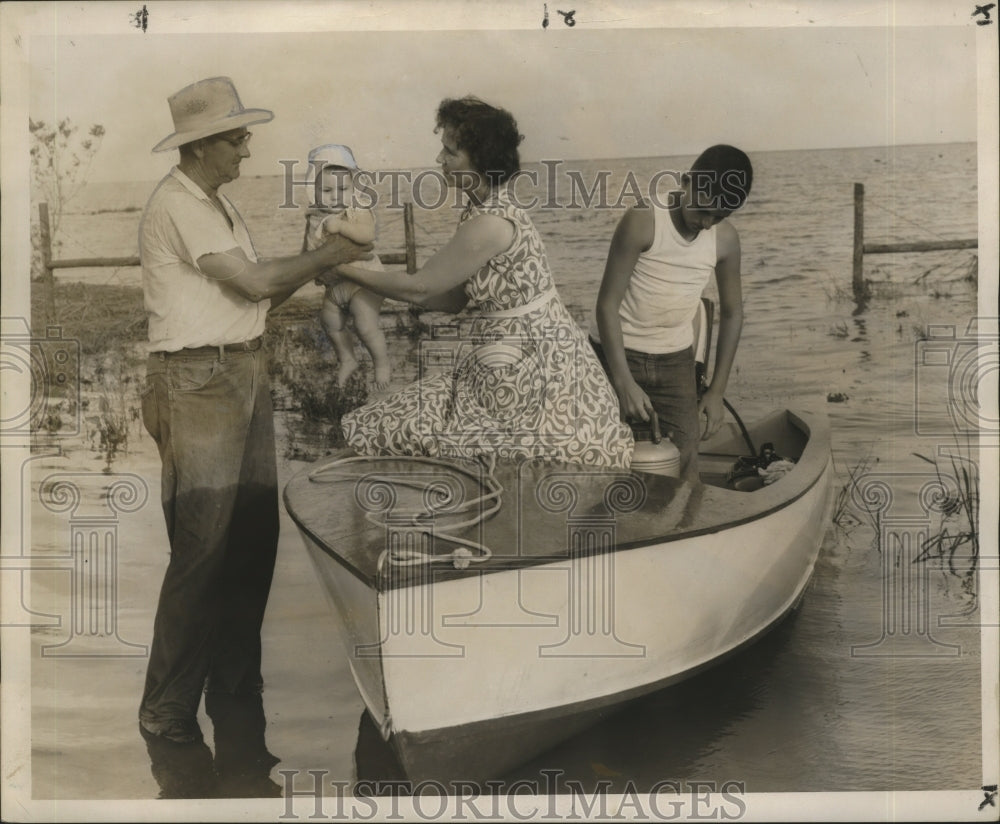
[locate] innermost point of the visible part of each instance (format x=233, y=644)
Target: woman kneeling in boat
x=525, y=382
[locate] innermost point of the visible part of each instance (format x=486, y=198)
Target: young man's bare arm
x=632, y=237
x=727, y=278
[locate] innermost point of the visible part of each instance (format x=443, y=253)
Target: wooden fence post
x=861, y=248
x=409, y=234
x=858, y=278
x=48, y=276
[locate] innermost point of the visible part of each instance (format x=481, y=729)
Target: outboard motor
x=750, y=473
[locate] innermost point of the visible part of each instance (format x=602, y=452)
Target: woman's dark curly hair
x=488, y=135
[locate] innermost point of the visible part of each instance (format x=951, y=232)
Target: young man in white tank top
x=660, y=260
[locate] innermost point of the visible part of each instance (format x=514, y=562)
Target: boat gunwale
x=810, y=459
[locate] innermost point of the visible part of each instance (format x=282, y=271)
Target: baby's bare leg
x=366, y=307
x=334, y=323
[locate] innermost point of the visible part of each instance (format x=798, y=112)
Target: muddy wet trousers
x=209, y=412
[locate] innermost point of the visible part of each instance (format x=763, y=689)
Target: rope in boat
x=487, y=504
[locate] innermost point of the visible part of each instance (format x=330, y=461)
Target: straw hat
x=205, y=108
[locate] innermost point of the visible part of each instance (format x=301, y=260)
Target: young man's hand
x=713, y=408
x=633, y=403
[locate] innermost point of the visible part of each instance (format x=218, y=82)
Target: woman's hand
x=443, y=276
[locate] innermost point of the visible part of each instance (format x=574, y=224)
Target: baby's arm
x=727, y=278
x=332, y=224
x=355, y=224
x=321, y=224
x=632, y=237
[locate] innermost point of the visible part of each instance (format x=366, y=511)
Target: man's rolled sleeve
x=202, y=231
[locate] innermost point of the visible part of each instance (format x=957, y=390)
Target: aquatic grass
x=306, y=392
x=958, y=523
x=103, y=318
x=410, y=325
x=960, y=270
x=892, y=281
x=838, y=331
x=110, y=324
x=114, y=390
x=884, y=289
x=837, y=292
x=956, y=501
x=843, y=516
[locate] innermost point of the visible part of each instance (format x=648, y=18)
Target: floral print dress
x=520, y=381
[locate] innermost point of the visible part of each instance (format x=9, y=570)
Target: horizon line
x=594, y=159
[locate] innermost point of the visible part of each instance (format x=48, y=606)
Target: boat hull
x=468, y=676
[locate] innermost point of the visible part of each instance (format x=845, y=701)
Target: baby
x=333, y=211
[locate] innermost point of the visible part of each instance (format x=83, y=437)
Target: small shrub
x=60, y=158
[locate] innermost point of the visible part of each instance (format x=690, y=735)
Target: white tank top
x=662, y=298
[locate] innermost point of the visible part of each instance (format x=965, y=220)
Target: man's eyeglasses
x=237, y=142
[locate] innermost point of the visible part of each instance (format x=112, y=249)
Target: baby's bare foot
x=347, y=368
x=383, y=372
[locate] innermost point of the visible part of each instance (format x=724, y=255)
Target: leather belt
x=223, y=348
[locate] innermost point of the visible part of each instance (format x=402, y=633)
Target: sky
x=576, y=92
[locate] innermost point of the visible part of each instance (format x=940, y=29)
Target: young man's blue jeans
x=210, y=413
x=669, y=381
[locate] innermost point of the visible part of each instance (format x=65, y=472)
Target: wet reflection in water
x=375, y=763
x=241, y=765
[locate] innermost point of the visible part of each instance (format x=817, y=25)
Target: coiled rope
x=486, y=505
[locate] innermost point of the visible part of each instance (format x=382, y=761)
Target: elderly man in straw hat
x=207, y=404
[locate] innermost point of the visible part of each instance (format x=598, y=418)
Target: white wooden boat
x=487, y=616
